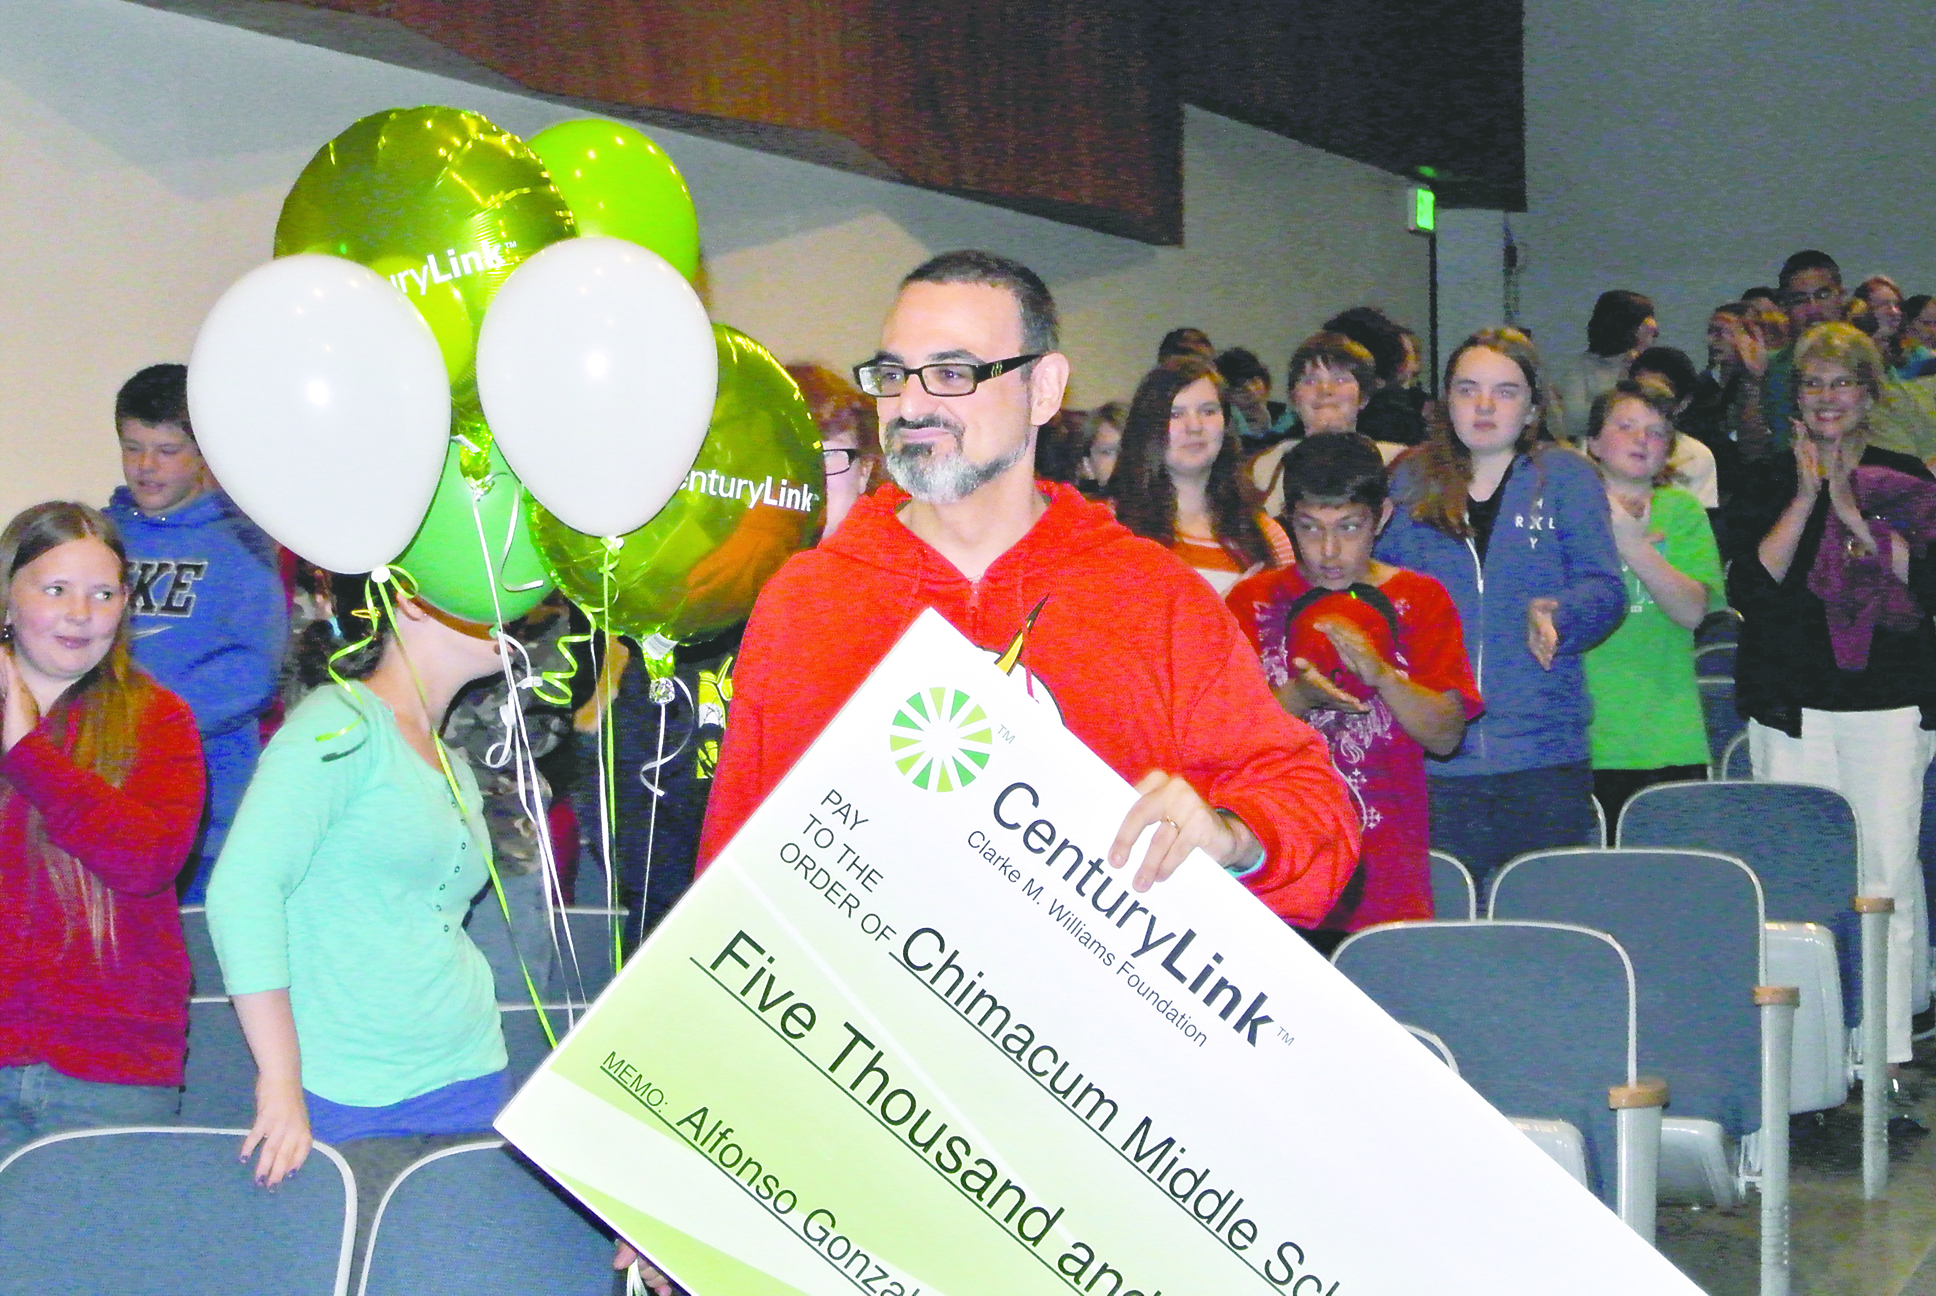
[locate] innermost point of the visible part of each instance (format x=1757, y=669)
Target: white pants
x=1877, y=760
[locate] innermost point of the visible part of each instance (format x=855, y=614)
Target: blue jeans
x=37, y=1100
x=1484, y=820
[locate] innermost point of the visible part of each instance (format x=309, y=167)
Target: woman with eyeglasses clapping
x=1836, y=671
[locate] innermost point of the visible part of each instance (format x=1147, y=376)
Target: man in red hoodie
x=1136, y=654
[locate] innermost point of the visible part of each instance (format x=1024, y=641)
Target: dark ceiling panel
x=1400, y=84
x=1069, y=109
x=1054, y=107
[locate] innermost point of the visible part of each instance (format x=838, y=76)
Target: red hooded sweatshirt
x=1139, y=656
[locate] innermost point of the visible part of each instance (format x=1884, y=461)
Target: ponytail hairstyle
x=1444, y=463
x=353, y=620
x=1144, y=495
x=96, y=722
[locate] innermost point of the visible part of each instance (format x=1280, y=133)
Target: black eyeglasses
x=1821, y=296
x=835, y=460
x=946, y=378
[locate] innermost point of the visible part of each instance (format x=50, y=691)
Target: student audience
x=1332, y=379
x=1178, y=480
x=1516, y=528
x=1393, y=412
x=1690, y=465
x=1102, y=442
x=1372, y=658
x=210, y=612
x=1621, y=327
x=850, y=438
x=1389, y=554
x=337, y=907
x=100, y=794
x=1259, y=420
x=1648, y=726
x=1811, y=292
x=1918, y=347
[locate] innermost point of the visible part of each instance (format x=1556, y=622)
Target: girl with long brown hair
x=1517, y=530
x=100, y=796
x=1178, y=481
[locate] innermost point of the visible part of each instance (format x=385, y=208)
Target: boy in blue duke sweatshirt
x=210, y=614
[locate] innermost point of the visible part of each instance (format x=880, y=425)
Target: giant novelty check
x=910, y=1034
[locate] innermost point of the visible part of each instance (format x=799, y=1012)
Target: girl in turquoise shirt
x=337, y=905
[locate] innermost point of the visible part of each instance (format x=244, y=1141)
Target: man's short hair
x=1804, y=261
x=158, y=394
x=1184, y=341
x=1377, y=333
x=1672, y=364
x=1041, y=332
x=1239, y=365
x=1333, y=351
x=1334, y=468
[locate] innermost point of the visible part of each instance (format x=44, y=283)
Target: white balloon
x=597, y=370
x=320, y=400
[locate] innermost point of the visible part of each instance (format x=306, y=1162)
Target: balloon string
x=516, y=749
x=652, y=817
x=665, y=757
x=372, y=617
x=606, y=736
x=556, y=688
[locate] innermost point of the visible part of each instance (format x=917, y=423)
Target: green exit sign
x=1421, y=211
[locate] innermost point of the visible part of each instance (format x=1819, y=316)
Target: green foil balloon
x=619, y=183
x=755, y=495
x=439, y=201
x=448, y=558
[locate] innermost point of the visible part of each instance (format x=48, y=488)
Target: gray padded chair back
x=1691, y=922
x=1539, y=1015
x=1723, y=626
x=1722, y=720
x=169, y=1212
x=205, y=971
x=1801, y=841
x=1714, y=661
x=219, y=1083
x=524, y=1037
x=592, y=932
x=1454, y=896
x=476, y=1218
x=1737, y=762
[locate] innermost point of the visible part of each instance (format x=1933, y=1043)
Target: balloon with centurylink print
x=320, y=401
x=755, y=496
x=620, y=184
x=596, y=368
x=456, y=551
x=440, y=202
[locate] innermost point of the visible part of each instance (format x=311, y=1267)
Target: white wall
x=1471, y=289
x=145, y=156
x=1685, y=150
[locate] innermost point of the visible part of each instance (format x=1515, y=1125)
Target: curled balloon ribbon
x=373, y=617
x=520, y=675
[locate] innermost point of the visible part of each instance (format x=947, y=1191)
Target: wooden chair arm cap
x=1771, y=994
x=1645, y=1092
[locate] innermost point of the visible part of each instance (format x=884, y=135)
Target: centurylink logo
x=940, y=739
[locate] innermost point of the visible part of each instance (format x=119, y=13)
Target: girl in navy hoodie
x=1517, y=530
